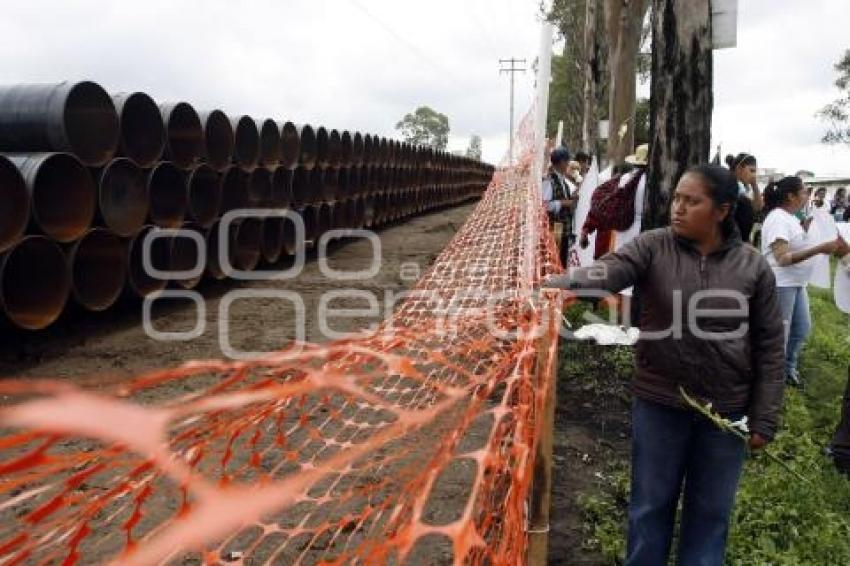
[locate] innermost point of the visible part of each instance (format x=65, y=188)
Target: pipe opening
x=98, y=270
x=290, y=145
x=14, y=204
x=185, y=137
x=218, y=139
x=34, y=283
x=247, y=150
x=272, y=245
x=138, y=279
x=167, y=195
x=63, y=196
x=269, y=143
x=142, y=131
x=123, y=197
x=204, y=195
x=91, y=123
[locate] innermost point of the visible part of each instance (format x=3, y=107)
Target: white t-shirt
x=781, y=225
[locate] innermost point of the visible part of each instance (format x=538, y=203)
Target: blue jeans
x=672, y=447
x=794, y=303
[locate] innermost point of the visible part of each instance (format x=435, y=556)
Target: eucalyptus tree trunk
x=682, y=100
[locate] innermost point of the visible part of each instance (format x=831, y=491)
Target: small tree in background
x=425, y=126
x=474, y=150
x=837, y=114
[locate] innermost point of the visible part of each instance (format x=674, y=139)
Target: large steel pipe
x=269, y=144
x=301, y=187
x=290, y=242
x=246, y=153
x=281, y=188
x=308, y=147
x=213, y=267
x=247, y=243
x=323, y=147
x=62, y=193
x=122, y=197
x=204, y=195
x=310, y=216
x=142, y=136
x=360, y=213
x=368, y=149
x=324, y=219
x=334, y=148
x=357, y=149
x=347, y=149
x=260, y=188
x=184, y=135
x=344, y=189
x=272, y=244
x=98, y=269
x=140, y=281
x=14, y=204
x=77, y=118
x=234, y=189
x=168, y=195
x=290, y=145
x=218, y=139
x=34, y=283
x=185, y=256
x=328, y=180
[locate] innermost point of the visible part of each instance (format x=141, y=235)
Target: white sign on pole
x=724, y=23
x=604, y=126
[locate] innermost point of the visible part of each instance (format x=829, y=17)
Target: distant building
x=765, y=175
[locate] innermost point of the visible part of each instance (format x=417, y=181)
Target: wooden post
x=541, y=489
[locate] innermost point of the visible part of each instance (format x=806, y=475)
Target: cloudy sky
x=362, y=64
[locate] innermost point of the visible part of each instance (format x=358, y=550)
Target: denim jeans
x=794, y=304
x=671, y=448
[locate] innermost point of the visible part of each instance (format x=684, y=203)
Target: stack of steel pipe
x=86, y=176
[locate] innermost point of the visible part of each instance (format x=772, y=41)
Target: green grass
x=778, y=520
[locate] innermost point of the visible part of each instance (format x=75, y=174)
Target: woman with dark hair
x=786, y=246
x=726, y=350
x=745, y=168
x=839, y=206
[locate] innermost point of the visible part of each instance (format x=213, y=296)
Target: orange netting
x=413, y=444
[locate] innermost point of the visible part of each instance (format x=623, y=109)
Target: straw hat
x=640, y=157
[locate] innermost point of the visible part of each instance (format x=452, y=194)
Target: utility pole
x=512, y=69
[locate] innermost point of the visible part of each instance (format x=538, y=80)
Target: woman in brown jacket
x=710, y=325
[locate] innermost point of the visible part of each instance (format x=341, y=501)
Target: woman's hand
x=757, y=442
x=829, y=247
x=556, y=282
x=841, y=247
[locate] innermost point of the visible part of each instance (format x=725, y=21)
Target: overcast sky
x=362, y=64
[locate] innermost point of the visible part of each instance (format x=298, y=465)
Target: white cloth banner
x=623, y=238
x=584, y=257
x=822, y=229
x=842, y=275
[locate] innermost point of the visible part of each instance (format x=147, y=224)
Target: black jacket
x=735, y=374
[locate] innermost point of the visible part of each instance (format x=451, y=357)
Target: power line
x=398, y=37
x=512, y=69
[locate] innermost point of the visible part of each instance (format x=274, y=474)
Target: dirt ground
x=95, y=349
x=592, y=430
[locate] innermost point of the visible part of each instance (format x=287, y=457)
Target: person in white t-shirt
x=787, y=249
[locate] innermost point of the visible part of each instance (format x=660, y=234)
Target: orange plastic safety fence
x=413, y=444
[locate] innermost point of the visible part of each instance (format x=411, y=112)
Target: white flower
x=741, y=425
